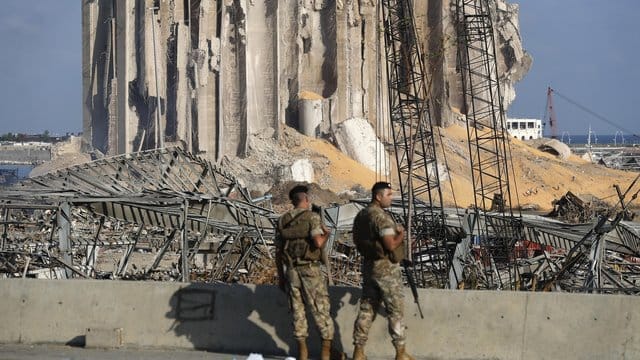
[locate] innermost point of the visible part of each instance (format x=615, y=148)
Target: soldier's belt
x=306, y=263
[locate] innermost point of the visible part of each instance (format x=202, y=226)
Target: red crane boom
x=551, y=112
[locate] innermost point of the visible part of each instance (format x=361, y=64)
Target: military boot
x=303, y=352
x=401, y=353
x=338, y=355
x=326, y=350
x=358, y=353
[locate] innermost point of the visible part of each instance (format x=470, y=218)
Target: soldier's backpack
x=295, y=234
x=366, y=240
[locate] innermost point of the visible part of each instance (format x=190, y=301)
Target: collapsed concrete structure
x=196, y=222
x=208, y=73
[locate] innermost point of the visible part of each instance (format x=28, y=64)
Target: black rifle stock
x=412, y=284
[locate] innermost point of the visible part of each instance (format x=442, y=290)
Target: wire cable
x=593, y=113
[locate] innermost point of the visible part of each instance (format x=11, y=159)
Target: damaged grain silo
x=206, y=74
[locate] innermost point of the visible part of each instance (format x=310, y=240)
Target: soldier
x=301, y=235
x=380, y=242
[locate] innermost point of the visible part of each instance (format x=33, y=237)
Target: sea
x=603, y=140
x=10, y=174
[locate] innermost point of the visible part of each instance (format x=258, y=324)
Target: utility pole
x=159, y=137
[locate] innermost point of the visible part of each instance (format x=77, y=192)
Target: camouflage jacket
x=296, y=228
x=369, y=227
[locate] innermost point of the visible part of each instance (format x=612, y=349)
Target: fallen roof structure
x=186, y=196
x=194, y=222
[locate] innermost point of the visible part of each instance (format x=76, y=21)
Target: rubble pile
x=540, y=177
x=269, y=162
x=570, y=208
x=168, y=215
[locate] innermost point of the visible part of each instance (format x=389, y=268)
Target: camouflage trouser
x=382, y=282
x=308, y=285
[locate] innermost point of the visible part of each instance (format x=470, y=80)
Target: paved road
x=59, y=352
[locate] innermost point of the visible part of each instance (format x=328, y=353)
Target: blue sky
x=585, y=49
x=588, y=51
x=40, y=66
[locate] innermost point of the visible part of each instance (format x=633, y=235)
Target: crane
x=489, y=154
x=550, y=110
x=551, y=113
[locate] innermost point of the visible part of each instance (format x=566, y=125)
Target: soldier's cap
x=298, y=189
x=381, y=185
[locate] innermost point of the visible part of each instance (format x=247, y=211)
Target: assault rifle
x=406, y=264
x=324, y=253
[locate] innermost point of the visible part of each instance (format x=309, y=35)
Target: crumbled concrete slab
x=357, y=138
x=553, y=146
x=302, y=170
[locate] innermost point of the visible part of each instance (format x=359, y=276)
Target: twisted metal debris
x=169, y=215
x=157, y=200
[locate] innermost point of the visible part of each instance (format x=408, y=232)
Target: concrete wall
x=25, y=154
x=243, y=319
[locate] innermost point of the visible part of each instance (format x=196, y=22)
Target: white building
x=525, y=129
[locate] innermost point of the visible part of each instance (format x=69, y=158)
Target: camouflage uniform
x=307, y=283
x=382, y=279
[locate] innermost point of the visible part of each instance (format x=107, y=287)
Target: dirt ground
x=63, y=155
x=537, y=178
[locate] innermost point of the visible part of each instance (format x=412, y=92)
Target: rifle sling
x=293, y=219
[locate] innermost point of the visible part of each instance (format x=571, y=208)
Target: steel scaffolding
x=414, y=141
x=486, y=131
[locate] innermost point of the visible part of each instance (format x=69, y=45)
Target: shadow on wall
x=337, y=296
x=222, y=318
x=245, y=319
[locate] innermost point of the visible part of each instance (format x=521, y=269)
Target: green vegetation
x=44, y=137
x=10, y=137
